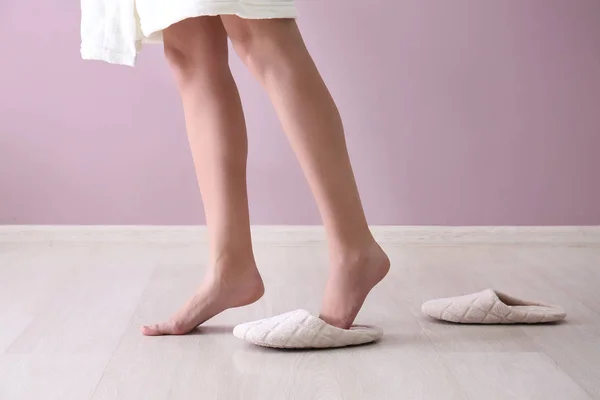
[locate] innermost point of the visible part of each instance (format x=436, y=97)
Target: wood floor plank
x=576, y=268
x=573, y=345
x=390, y=370
x=92, y=309
x=50, y=376
x=70, y=317
x=12, y=324
x=13, y=319
x=531, y=273
x=434, y=272
x=507, y=376
x=220, y=366
x=29, y=281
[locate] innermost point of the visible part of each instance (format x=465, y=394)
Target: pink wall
x=460, y=112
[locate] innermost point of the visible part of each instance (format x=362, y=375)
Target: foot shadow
x=213, y=330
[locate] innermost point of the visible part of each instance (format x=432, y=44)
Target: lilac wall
x=460, y=112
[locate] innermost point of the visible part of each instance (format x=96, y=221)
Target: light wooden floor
x=69, y=318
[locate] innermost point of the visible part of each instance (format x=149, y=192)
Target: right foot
x=218, y=292
x=350, y=281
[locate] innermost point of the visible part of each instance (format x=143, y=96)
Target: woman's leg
x=275, y=53
x=196, y=50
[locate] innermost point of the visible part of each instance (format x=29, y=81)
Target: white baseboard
x=307, y=235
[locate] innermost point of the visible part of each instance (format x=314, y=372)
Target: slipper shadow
x=438, y=322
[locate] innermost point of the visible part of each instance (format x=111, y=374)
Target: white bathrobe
x=113, y=30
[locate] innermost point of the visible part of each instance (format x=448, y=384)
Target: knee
x=242, y=36
x=194, y=52
x=189, y=63
x=179, y=58
x=258, y=43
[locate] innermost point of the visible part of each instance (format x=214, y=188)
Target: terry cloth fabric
x=114, y=30
x=301, y=330
x=492, y=307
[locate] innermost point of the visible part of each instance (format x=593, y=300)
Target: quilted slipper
x=301, y=330
x=492, y=307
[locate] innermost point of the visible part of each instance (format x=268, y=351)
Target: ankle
x=224, y=263
x=365, y=254
x=350, y=246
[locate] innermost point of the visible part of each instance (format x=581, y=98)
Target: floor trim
x=305, y=235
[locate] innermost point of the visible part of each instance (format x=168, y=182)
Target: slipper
x=301, y=330
x=492, y=307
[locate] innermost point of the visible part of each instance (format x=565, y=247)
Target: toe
x=153, y=330
x=166, y=328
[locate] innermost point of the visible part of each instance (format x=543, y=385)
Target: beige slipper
x=492, y=307
x=301, y=330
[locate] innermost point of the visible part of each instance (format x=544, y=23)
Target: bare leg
x=275, y=53
x=196, y=50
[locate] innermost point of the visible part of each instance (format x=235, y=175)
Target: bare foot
x=218, y=292
x=349, y=283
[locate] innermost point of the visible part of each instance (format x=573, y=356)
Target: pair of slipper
x=301, y=330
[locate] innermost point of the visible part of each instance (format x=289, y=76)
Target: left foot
x=218, y=292
x=349, y=284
